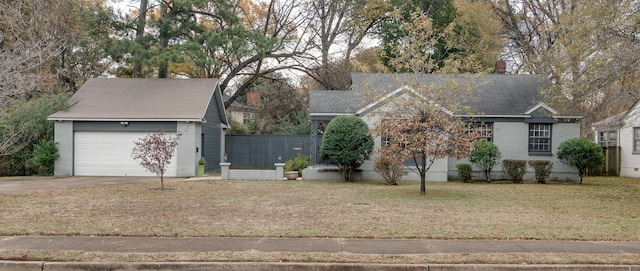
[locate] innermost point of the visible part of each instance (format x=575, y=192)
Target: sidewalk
x=319, y=245
x=324, y=245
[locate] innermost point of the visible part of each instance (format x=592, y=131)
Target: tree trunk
x=140, y=27
x=423, y=174
x=163, y=67
x=348, y=174
x=580, y=173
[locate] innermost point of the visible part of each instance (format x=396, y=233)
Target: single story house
x=508, y=108
x=621, y=131
x=95, y=135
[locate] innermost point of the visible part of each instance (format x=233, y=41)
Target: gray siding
x=512, y=138
x=186, y=153
x=212, y=137
x=63, y=133
x=131, y=126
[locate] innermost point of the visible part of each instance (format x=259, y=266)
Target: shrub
x=542, y=168
x=464, y=172
x=237, y=128
x=390, y=167
x=297, y=163
x=347, y=144
x=580, y=153
x=485, y=155
x=515, y=169
x=45, y=152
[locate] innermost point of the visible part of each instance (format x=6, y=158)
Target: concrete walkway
x=323, y=245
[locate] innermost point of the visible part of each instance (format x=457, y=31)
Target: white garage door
x=109, y=154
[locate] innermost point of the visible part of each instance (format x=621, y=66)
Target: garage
x=99, y=153
x=95, y=133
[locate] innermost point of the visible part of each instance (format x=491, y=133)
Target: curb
x=261, y=266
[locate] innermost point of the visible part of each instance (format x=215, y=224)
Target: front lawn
x=599, y=209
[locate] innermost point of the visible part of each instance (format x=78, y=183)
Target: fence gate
x=611, y=166
x=262, y=151
x=612, y=161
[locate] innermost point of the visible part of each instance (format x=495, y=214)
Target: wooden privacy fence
x=262, y=151
x=611, y=165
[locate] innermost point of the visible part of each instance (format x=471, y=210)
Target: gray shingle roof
x=491, y=94
x=134, y=98
x=236, y=104
x=614, y=122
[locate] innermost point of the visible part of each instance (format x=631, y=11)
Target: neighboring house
x=95, y=134
x=507, y=107
x=622, y=130
x=240, y=112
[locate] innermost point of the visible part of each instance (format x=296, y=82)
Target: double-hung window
x=636, y=140
x=485, y=129
x=539, y=138
x=608, y=138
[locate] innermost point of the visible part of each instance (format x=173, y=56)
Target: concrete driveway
x=30, y=184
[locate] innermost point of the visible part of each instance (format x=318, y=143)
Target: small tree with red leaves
x=154, y=152
x=424, y=134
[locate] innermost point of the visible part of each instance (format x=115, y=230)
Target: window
x=539, y=137
x=247, y=117
x=608, y=138
x=386, y=138
x=485, y=129
x=636, y=139
x=386, y=141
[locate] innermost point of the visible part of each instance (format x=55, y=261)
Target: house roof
x=101, y=99
x=491, y=94
x=619, y=120
x=611, y=123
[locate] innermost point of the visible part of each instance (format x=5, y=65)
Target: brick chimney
x=501, y=66
x=253, y=98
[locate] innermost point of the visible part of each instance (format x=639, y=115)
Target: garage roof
x=103, y=99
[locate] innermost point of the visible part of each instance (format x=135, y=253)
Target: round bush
x=346, y=143
x=581, y=153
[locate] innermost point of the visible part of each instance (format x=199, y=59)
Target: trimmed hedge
x=515, y=169
x=542, y=168
x=464, y=172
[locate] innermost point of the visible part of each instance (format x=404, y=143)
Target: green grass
x=599, y=209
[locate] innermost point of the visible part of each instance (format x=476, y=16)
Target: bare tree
x=154, y=152
x=586, y=48
x=277, y=42
x=532, y=29
x=29, y=38
x=339, y=24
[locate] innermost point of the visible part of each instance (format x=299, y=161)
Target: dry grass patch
x=599, y=209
